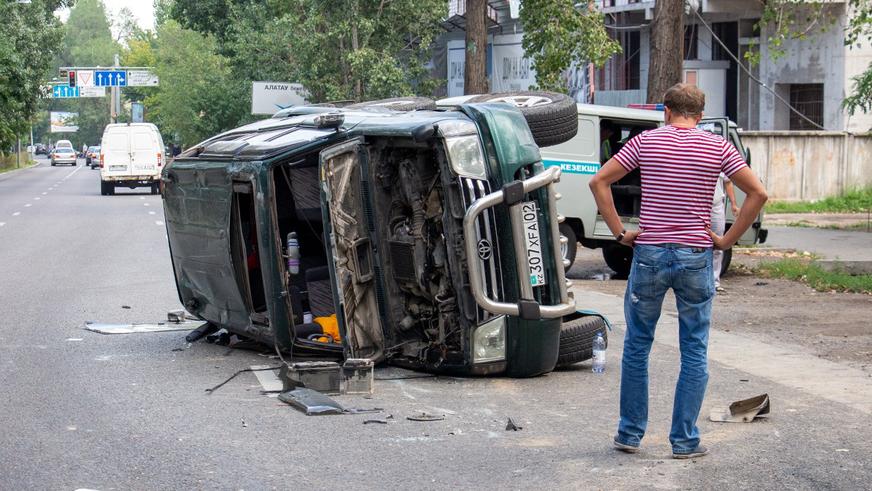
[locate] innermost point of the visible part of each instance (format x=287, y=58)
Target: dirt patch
x=834, y=326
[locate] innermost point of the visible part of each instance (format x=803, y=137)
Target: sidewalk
x=788, y=365
x=849, y=250
x=826, y=220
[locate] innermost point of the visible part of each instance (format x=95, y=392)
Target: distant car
x=131, y=155
x=40, y=149
x=64, y=144
x=92, y=156
x=63, y=155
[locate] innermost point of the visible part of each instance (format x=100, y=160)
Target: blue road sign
x=64, y=92
x=110, y=78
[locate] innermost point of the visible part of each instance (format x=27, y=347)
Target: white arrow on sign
x=85, y=78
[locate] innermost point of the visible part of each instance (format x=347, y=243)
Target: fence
x=810, y=165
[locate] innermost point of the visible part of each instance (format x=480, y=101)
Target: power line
x=750, y=75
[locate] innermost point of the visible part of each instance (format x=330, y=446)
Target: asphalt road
x=84, y=410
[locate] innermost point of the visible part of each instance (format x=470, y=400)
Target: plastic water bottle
x=293, y=253
x=599, y=354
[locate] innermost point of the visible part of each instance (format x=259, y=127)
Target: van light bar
x=329, y=120
x=649, y=107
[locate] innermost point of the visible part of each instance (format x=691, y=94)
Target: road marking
x=2, y=223
x=37, y=198
x=142, y=197
x=78, y=168
x=158, y=222
x=44, y=194
x=74, y=339
x=146, y=204
x=27, y=205
x=152, y=213
x=16, y=213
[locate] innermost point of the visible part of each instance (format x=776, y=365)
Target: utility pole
x=116, y=97
x=475, y=71
x=667, y=48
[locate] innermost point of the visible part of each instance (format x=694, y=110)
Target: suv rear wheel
x=552, y=117
x=569, y=249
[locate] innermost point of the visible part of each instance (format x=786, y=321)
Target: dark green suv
x=432, y=236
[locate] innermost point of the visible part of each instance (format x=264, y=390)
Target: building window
x=690, y=41
x=809, y=100
x=690, y=77
x=622, y=71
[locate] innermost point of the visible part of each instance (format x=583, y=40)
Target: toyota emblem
x=484, y=249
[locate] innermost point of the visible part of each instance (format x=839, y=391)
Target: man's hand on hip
x=629, y=238
x=719, y=242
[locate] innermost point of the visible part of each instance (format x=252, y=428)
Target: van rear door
x=116, y=151
x=146, y=152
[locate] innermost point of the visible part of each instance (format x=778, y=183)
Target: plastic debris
x=311, y=402
x=511, y=426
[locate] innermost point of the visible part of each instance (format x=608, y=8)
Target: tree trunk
x=475, y=71
x=667, y=48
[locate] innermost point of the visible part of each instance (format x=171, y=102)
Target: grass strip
x=816, y=277
x=855, y=201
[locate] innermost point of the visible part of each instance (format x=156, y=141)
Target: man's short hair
x=685, y=99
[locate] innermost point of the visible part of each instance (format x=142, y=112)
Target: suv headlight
x=464, y=150
x=489, y=341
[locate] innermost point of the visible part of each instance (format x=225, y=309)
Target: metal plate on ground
x=140, y=328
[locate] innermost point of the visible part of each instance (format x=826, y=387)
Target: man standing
x=679, y=165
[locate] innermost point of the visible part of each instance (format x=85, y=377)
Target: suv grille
x=487, y=239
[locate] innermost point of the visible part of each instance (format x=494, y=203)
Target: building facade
x=814, y=75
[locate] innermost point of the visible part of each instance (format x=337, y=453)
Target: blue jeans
x=655, y=269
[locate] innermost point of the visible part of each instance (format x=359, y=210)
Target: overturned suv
x=431, y=236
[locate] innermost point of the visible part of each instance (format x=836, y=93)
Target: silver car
x=63, y=155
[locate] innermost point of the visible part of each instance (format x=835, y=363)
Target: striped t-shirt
x=680, y=168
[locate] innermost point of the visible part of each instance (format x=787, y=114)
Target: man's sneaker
x=626, y=448
x=699, y=451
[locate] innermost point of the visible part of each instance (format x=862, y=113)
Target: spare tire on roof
x=551, y=116
x=398, y=104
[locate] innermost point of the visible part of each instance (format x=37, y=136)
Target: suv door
x=721, y=126
x=347, y=220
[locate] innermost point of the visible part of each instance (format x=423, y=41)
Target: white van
x=580, y=158
x=131, y=155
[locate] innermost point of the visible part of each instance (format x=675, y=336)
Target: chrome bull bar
x=527, y=307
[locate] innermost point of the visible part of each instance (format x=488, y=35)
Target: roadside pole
x=18, y=154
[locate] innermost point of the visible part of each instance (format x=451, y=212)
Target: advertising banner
x=62, y=122
x=271, y=97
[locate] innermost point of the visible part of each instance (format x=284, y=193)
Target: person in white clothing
x=723, y=190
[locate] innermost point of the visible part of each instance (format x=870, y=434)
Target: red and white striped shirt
x=680, y=168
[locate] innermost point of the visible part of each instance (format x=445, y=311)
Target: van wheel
x=619, y=258
x=552, y=117
x=569, y=249
x=576, y=339
x=398, y=104
x=725, y=262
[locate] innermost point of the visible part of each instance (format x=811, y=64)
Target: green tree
x=558, y=34
x=29, y=40
x=198, y=96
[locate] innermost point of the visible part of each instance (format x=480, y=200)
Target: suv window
x=64, y=143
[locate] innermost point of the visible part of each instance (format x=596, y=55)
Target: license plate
x=117, y=167
x=530, y=213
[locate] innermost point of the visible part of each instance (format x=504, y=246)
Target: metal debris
x=511, y=426
x=426, y=417
x=743, y=411
x=140, y=328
